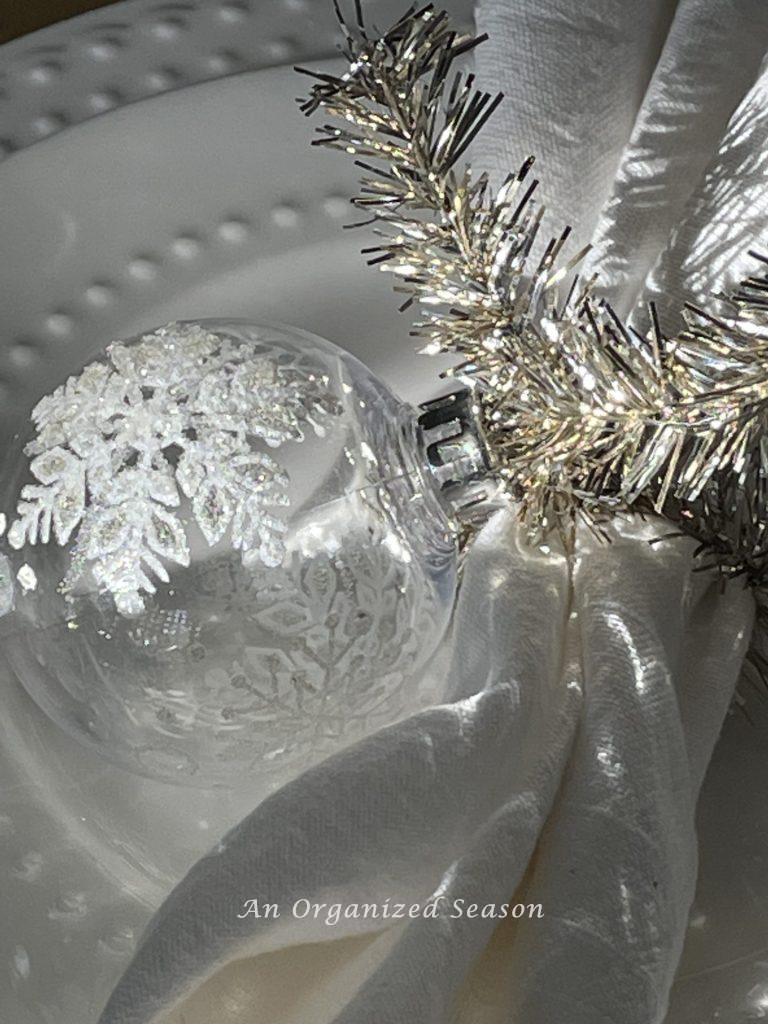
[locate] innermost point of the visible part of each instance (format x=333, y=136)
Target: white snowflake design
x=179, y=413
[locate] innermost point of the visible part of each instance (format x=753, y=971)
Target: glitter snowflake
x=183, y=413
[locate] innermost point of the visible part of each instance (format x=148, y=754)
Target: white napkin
x=583, y=695
x=563, y=772
x=650, y=127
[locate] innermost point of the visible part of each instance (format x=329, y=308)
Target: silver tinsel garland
x=582, y=413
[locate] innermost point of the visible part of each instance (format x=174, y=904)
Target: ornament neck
x=457, y=455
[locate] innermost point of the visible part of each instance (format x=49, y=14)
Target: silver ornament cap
x=457, y=454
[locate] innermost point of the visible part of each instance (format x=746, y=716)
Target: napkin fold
x=562, y=773
x=616, y=865
x=649, y=123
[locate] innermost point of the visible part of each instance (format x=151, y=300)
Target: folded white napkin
x=650, y=127
x=583, y=695
x=563, y=770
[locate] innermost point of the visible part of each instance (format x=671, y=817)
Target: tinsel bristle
x=583, y=414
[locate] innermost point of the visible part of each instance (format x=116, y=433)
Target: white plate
x=125, y=52
x=204, y=201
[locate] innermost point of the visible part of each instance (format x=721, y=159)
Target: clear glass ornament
x=233, y=551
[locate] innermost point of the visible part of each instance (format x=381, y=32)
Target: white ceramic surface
x=204, y=201
x=116, y=55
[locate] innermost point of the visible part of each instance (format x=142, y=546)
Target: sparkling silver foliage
x=182, y=414
x=582, y=414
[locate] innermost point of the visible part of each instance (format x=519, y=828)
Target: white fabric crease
x=573, y=83
x=694, y=91
x=577, y=720
x=725, y=217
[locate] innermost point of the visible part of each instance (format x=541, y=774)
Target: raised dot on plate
x=296, y=5
x=106, y=99
x=99, y=295
x=233, y=12
x=103, y=49
x=233, y=231
x=186, y=247
x=60, y=325
x=167, y=28
x=221, y=63
x=163, y=78
x=337, y=206
x=142, y=269
x=44, y=73
x=281, y=49
x=23, y=354
x=285, y=216
x=47, y=124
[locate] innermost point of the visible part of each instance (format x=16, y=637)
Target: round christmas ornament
x=238, y=549
x=233, y=548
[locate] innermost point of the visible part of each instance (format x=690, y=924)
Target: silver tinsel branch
x=582, y=413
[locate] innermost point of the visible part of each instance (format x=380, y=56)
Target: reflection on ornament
x=244, y=546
